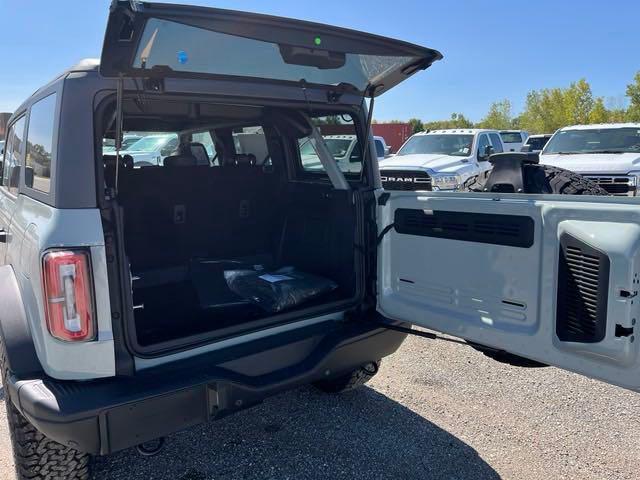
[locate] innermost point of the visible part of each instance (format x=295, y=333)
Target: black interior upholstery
x=184, y=226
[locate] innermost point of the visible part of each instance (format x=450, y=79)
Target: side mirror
x=488, y=150
x=526, y=148
x=387, y=150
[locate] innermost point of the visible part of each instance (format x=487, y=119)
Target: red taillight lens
x=68, y=295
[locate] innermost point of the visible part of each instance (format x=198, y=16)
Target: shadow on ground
x=308, y=435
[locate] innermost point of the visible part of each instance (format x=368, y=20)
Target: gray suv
x=137, y=300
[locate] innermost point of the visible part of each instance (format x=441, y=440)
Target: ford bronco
x=139, y=300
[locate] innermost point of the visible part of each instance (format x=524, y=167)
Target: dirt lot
x=435, y=411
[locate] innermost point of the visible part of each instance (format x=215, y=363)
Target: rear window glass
x=511, y=137
x=537, y=143
x=379, y=149
x=251, y=141
x=190, y=49
x=339, y=136
x=40, y=144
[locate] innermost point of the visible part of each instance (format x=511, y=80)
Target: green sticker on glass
x=317, y=41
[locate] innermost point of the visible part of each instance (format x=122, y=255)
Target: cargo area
x=221, y=240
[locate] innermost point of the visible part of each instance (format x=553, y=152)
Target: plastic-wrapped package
x=277, y=290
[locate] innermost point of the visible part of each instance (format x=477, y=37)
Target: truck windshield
x=338, y=146
x=597, y=140
x=150, y=143
x=459, y=145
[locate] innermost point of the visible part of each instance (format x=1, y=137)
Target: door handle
x=3, y=236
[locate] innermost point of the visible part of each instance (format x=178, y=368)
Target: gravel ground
x=435, y=411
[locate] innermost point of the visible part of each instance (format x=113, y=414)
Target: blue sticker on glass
x=182, y=57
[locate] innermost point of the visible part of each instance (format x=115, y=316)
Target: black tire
x=37, y=457
x=349, y=381
x=544, y=179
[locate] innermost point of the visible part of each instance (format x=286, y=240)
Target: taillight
x=68, y=295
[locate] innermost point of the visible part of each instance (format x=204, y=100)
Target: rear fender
x=22, y=359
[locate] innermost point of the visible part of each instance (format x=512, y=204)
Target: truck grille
x=583, y=284
x=405, y=180
x=622, y=185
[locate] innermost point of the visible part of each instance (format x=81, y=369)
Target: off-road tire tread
x=544, y=179
x=37, y=457
x=349, y=381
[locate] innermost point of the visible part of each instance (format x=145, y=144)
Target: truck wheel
x=544, y=179
x=37, y=457
x=349, y=381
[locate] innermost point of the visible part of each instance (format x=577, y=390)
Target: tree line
x=546, y=110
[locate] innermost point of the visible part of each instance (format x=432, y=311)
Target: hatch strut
x=119, y=90
x=366, y=151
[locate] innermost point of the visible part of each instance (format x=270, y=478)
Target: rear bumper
x=104, y=416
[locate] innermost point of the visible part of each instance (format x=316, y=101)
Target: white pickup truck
x=608, y=154
x=440, y=159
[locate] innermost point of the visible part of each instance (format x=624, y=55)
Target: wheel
x=37, y=457
x=544, y=179
x=350, y=380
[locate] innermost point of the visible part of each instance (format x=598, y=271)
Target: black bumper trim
x=104, y=416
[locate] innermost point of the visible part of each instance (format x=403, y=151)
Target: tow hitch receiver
x=509, y=172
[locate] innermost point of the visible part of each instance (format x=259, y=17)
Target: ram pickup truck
x=608, y=154
x=440, y=159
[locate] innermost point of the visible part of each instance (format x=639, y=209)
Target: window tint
x=594, y=140
x=379, y=149
x=496, y=143
x=40, y=144
x=511, y=137
x=339, y=136
x=483, y=143
x=13, y=156
x=537, y=143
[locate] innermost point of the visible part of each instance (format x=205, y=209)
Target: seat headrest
x=126, y=161
x=199, y=151
x=180, y=161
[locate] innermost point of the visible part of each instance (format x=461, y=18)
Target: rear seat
x=173, y=214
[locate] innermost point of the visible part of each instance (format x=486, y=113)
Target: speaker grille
x=583, y=285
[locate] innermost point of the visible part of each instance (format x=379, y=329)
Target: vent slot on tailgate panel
x=583, y=286
x=508, y=230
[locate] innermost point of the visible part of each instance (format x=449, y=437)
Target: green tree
x=458, y=120
x=578, y=102
x=499, y=116
x=599, y=113
x=416, y=125
x=633, y=92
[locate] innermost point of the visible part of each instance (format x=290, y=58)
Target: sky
x=493, y=49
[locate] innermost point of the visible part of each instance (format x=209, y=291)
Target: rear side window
x=511, y=137
x=379, y=149
x=496, y=143
x=251, y=141
x=40, y=144
x=339, y=136
x=13, y=155
x=483, y=143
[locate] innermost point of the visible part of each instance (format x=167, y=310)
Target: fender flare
x=22, y=359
